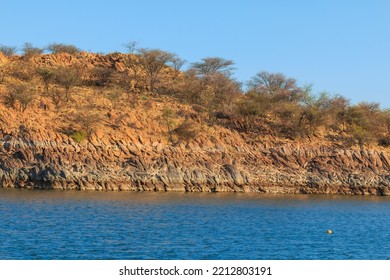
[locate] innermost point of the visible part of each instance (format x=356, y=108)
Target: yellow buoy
x=329, y=231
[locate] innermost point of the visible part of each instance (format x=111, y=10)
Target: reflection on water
x=149, y=225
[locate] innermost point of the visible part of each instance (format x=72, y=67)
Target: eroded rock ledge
x=48, y=160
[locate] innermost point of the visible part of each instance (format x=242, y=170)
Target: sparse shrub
x=67, y=77
x=63, y=48
x=2, y=74
x=9, y=99
x=288, y=115
x=148, y=104
x=134, y=64
x=187, y=131
x=114, y=95
x=124, y=81
x=87, y=121
x=19, y=93
x=30, y=51
x=57, y=96
x=214, y=92
x=169, y=117
x=362, y=123
x=101, y=76
x=361, y=135
x=22, y=70
x=384, y=141
x=47, y=76
x=249, y=110
x=8, y=50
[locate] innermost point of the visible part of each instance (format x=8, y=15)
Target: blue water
x=147, y=225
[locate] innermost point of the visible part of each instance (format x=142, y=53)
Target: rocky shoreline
x=49, y=160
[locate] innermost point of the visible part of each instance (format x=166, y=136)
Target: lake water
x=147, y=225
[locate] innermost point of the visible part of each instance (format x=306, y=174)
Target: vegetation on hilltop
x=272, y=104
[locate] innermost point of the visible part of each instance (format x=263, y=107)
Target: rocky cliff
x=132, y=156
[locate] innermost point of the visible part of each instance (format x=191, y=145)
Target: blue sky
x=342, y=47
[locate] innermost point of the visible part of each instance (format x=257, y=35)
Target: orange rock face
x=3, y=58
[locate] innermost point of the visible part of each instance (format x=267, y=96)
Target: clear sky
x=339, y=46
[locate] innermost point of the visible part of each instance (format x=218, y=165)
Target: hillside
x=110, y=131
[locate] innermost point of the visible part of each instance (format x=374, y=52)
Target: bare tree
x=67, y=77
x=88, y=121
x=22, y=93
x=131, y=46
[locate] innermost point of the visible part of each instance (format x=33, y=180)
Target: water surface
x=148, y=225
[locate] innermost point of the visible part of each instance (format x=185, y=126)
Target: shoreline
x=141, y=165
x=270, y=190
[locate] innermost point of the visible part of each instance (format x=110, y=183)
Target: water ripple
x=91, y=225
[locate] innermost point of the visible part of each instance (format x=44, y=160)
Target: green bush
x=78, y=136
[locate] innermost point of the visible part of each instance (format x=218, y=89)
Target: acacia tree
x=177, y=64
x=153, y=62
x=210, y=85
x=63, y=48
x=213, y=65
x=277, y=85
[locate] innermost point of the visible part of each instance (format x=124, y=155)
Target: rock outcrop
x=3, y=58
x=54, y=161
